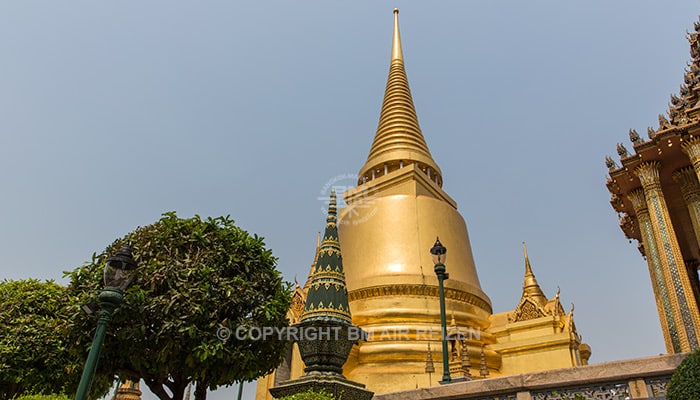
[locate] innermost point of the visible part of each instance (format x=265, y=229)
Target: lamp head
x=120, y=269
x=438, y=252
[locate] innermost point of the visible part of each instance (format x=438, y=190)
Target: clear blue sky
x=112, y=113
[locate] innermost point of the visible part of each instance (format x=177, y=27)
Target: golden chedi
x=385, y=232
x=391, y=220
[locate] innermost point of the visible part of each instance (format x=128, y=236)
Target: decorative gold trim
x=648, y=174
x=415, y=290
x=692, y=149
x=638, y=201
x=327, y=312
x=687, y=179
x=527, y=310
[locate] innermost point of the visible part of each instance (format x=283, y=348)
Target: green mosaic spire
x=327, y=298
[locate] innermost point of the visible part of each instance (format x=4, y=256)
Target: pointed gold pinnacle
x=399, y=141
x=396, y=52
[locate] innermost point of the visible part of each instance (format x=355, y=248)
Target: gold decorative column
x=683, y=304
x=687, y=179
x=658, y=282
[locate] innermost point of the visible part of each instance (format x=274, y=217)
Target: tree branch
x=157, y=389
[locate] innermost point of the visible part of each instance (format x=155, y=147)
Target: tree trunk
x=200, y=392
x=179, y=386
x=158, y=389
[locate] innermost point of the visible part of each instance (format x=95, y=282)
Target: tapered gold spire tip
x=396, y=53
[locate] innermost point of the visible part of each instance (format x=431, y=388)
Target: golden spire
x=530, y=286
x=399, y=141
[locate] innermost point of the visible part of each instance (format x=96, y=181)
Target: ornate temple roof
x=399, y=139
x=668, y=144
x=533, y=303
x=327, y=296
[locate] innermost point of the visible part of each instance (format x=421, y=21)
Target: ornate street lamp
x=119, y=271
x=439, y=254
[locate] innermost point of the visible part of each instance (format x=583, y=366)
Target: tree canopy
x=195, y=277
x=34, y=353
x=685, y=382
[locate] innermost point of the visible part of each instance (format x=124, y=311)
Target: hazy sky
x=112, y=113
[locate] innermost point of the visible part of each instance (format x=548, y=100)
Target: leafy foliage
x=685, y=382
x=34, y=355
x=194, y=277
x=43, y=397
x=310, y=394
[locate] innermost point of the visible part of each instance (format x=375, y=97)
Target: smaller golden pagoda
x=538, y=335
x=128, y=390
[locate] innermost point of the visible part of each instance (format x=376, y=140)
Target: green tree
x=685, y=382
x=197, y=281
x=34, y=354
x=42, y=397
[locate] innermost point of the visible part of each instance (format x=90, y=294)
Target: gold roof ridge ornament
x=398, y=141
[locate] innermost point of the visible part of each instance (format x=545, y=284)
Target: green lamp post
x=118, y=273
x=439, y=254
